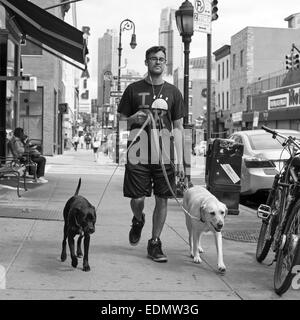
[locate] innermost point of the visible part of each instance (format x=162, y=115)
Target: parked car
x=262, y=159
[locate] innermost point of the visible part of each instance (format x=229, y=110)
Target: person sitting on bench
x=20, y=145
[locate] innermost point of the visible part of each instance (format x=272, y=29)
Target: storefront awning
x=46, y=28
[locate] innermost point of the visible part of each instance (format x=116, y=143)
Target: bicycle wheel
x=289, y=254
x=267, y=230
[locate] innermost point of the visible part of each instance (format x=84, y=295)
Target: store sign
x=237, y=116
x=294, y=97
x=290, y=99
x=279, y=101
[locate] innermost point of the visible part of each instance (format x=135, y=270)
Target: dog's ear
x=225, y=210
x=74, y=218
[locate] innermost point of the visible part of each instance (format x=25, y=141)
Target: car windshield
x=265, y=141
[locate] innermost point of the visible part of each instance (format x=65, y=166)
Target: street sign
x=116, y=94
x=202, y=16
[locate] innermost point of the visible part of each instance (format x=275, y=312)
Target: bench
x=10, y=167
x=19, y=168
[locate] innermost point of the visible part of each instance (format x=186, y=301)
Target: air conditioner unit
x=29, y=85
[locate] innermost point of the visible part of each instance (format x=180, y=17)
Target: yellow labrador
x=208, y=214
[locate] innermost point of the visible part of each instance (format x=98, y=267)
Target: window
x=223, y=70
x=190, y=101
x=219, y=72
x=227, y=100
x=233, y=97
x=190, y=84
x=242, y=58
x=227, y=68
x=233, y=61
x=241, y=95
x=223, y=101
x=219, y=100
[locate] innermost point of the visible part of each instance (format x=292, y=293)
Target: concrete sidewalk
x=31, y=235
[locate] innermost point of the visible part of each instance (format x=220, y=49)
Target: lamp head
x=185, y=20
x=133, y=41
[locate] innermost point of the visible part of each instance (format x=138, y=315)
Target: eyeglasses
x=155, y=59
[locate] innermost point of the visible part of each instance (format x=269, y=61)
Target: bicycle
x=281, y=216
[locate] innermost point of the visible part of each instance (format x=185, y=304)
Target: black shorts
x=139, y=180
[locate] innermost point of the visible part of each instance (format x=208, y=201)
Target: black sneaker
x=155, y=252
x=136, y=230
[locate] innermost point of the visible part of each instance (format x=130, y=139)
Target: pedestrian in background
x=96, y=145
x=81, y=141
x=166, y=104
x=87, y=140
x=75, y=141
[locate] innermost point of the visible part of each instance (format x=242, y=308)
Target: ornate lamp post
x=107, y=76
x=124, y=25
x=185, y=24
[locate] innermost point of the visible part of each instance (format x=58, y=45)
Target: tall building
x=171, y=39
x=107, y=61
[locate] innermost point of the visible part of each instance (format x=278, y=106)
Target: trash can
x=223, y=172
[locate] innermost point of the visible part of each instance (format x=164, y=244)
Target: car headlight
x=259, y=163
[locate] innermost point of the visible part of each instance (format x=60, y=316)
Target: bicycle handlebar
x=276, y=133
x=269, y=130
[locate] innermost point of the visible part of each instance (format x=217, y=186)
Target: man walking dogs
x=157, y=106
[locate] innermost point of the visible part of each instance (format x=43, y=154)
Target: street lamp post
x=126, y=24
x=106, y=76
x=185, y=25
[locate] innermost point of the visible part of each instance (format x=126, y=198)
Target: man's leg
x=159, y=216
x=137, y=207
x=138, y=220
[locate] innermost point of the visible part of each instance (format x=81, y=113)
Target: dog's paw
x=63, y=256
x=197, y=259
x=79, y=254
x=200, y=250
x=222, y=268
x=74, y=262
x=86, y=267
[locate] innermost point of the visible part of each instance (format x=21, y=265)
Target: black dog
x=80, y=218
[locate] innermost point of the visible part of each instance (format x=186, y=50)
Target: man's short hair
x=19, y=132
x=155, y=49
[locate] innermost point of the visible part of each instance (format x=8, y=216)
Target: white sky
x=234, y=15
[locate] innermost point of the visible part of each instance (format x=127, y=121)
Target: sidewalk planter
x=223, y=172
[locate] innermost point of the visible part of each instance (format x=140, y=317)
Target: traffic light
x=214, y=10
x=296, y=61
x=289, y=62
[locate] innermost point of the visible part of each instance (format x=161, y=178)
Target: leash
x=118, y=165
x=151, y=119
x=156, y=138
